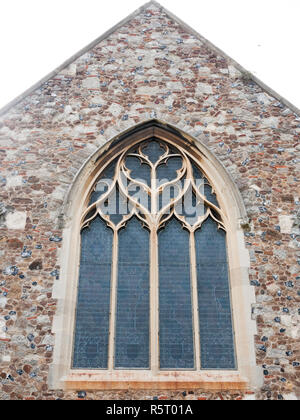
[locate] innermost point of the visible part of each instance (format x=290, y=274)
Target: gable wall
x=150, y=68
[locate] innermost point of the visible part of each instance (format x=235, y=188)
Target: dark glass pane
x=132, y=320
x=139, y=171
x=191, y=207
x=198, y=175
x=216, y=332
x=204, y=185
x=153, y=150
x=170, y=192
x=93, y=301
x=140, y=196
x=101, y=187
x=168, y=171
x=175, y=308
x=210, y=195
x=116, y=206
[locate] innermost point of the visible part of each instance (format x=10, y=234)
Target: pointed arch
x=233, y=215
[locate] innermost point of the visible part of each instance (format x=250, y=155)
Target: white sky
x=39, y=35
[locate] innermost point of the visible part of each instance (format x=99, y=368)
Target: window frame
x=62, y=376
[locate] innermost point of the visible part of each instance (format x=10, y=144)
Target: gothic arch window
x=154, y=304
x=153, y=281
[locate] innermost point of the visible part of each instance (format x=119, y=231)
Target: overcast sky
x=39, y=35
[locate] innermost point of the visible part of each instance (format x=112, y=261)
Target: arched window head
x=154, y=305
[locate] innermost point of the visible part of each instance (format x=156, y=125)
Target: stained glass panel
x=138, y=170
x=175, y=308
x=215, y=319
x=101, y=187
x=209, y=194
x=92, y=314
x=153, y=150
x=168, y=171
x=132, y=318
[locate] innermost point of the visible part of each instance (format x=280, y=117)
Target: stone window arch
x=156, y=289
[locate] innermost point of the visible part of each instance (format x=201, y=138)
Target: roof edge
x=74, y=57
x=238, y=66
x=123, y=22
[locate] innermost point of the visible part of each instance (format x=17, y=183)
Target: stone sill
x=124, y=380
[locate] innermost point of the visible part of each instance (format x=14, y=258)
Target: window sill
x=120, y=380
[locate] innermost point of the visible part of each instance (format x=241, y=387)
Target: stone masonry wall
x=150, y=68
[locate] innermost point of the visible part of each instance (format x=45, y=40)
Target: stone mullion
x=113, y=301
x=154, y=283
x=195, y=310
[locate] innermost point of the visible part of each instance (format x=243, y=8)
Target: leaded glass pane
x=204, y=186
x=208, y=192
x=215, y=319
x=101, y=185
x=153, y=150
x=168, y=171
x=92, y=314
x=191, y=208
x=132, y=318
x=138, y=170
x=139, y=195
x=115, y=207
x=175, y=308
x=169, y=193
x=197, y=172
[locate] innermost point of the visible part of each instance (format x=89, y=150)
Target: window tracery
x=156, y=265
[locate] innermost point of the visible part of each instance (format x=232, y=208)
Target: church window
x=153, y=291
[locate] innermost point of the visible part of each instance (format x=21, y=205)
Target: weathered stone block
x=16, y=220
x=203, y=88
x=91, y=83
